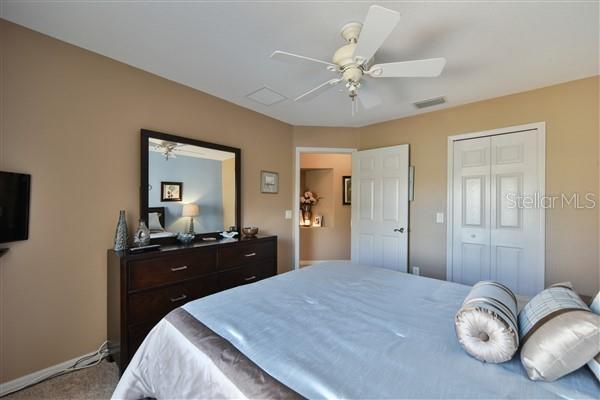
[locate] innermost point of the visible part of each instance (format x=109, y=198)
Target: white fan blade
x=378, y=25
x=318, y=90
x=406, y=69
x=290, y=57
x=368, y=99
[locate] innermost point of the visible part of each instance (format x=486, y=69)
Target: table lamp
x=190, y=210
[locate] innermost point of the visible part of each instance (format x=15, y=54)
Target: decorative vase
x=142, y=235
x=306, y=212
x=121, y=233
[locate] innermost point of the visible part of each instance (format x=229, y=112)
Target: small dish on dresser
x=229, y=235
x=250, y=231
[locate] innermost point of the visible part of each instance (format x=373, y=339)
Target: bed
x=335, y=330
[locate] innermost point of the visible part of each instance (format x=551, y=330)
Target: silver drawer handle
x=250, y=255
x=250, y=278
x=176, y=299
x=175, y=269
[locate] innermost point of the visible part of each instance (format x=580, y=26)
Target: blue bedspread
x=339, y=330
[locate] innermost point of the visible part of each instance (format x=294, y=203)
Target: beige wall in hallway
x=571, y=113
x=332, y=241
x=315, y=136
x=71, y=118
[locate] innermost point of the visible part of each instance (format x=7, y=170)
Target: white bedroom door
x=380, y=207
x=494, y=236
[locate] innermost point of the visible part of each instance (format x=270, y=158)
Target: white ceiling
x=492, y=48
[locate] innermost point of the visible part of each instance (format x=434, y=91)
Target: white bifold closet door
x=494, y=238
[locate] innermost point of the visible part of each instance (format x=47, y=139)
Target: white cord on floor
x=101, y=353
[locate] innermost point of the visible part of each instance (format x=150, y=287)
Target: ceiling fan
x=168, y=149
x=354, y=61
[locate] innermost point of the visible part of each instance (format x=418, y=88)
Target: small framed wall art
x=318, y=222
x=269, y=182
x=171, y=191
x=346, y=190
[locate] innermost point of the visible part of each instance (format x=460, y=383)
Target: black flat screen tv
x=14, y=206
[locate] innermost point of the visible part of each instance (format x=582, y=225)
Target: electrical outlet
x=288, y=214
x=415, y=270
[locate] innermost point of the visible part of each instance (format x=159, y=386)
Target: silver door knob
x=401, y=230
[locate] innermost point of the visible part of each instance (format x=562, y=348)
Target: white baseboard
x=24, y=381
x=306, y=263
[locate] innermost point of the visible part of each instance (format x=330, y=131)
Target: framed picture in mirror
x=171, y=191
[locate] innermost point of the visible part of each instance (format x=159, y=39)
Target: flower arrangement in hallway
x=307, y=200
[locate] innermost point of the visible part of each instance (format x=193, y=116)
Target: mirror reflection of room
x=190, y=189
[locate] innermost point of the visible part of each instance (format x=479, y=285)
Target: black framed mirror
x=188, y=185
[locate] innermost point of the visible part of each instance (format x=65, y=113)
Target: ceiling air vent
x=430, y=102
x=266, y=96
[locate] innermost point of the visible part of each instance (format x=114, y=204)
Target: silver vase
x=142, y=235
x=121, y=233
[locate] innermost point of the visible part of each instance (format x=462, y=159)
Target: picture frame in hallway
x=269, y=182
x=346, y=190
x=318, y=221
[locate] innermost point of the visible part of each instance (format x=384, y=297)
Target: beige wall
x=71, y=118
x=228, y=181
x=315, y=136
x=332, y=241
x=571, y=114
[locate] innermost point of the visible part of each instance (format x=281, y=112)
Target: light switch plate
x=415, y=270
x=439, y=218
x=288, y=214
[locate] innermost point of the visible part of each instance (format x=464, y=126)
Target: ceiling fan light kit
x=355, y=60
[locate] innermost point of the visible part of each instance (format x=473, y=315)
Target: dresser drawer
x=152, y=305
x=136, y=335
x=248, y=252
x=164, y=270
x=251, y=272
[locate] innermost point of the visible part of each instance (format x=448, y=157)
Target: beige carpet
x=92, y=383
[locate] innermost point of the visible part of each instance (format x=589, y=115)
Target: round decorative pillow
x=486, y=324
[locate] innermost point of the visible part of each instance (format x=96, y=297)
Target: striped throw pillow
x=594, y=363
x=558, y=333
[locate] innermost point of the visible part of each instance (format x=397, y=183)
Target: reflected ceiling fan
x=168, y=149
x=354, y=61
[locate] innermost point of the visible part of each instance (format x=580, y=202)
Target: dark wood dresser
x=143, y=288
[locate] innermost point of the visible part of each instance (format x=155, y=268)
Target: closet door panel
x=515, y=218
x=471, y=186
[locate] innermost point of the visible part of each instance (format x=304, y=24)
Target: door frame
x=295, y=202
x=541, y=128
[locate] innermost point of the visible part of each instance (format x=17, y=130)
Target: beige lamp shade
x=190, y=210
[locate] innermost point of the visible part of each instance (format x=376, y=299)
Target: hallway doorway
x=322, y=209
